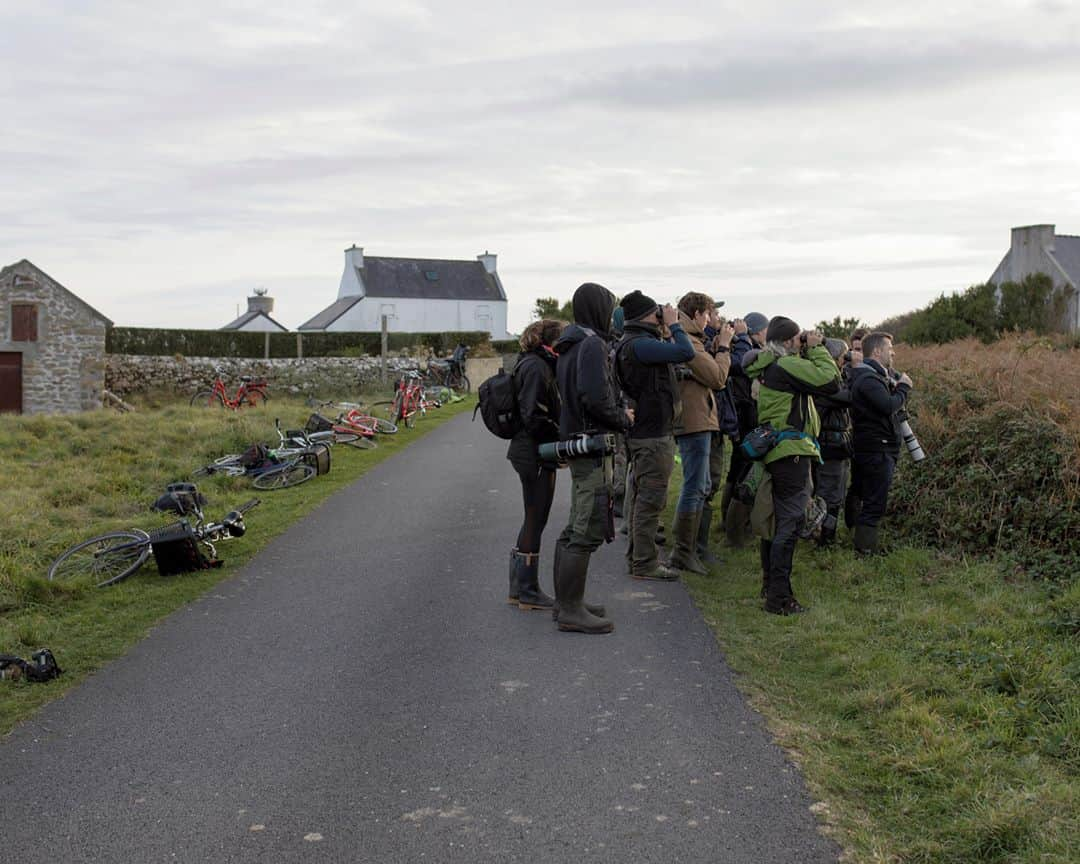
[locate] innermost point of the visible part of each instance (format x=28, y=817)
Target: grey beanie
x=836, y=347
x=755, y=322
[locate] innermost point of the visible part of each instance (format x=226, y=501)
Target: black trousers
x=791, y=490
x=537, y=493
x=873, y=476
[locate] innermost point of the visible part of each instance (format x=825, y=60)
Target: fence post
x=266, y=345
x=382, y=355
x=299, y=346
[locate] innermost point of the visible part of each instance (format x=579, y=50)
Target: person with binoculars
x=793, y=368
x=878, y=397
x=589, y=405
x=643, y=367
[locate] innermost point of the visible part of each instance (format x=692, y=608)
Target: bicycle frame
x=247, y=386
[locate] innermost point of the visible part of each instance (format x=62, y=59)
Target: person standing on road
x=696, y=424
x=643, y=368
x=538, y=411
x=590, y=405
x=789, y=378
x=876, y=396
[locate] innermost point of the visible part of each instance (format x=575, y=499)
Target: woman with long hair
x=538, y=409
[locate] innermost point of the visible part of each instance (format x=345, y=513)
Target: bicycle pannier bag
x=255, y=456
x=498, y=405
x=177, y=551
x=318, y=423
x=318, y=457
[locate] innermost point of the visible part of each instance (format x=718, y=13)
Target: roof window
x=431, y=276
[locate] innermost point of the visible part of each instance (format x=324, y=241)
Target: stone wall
x=64, y=370
x=128, y=374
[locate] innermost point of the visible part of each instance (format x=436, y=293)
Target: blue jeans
x=694, y=452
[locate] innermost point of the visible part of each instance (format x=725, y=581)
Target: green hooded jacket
x=784, y=400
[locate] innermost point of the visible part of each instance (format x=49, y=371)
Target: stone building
x=52, y=345
x=257, y=318
x=1040, y=249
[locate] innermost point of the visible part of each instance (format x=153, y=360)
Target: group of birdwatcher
x=813, y=425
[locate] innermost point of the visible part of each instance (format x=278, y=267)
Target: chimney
x=260, y=302
x=1034, y=237
x=352, y=284
x=488, y=260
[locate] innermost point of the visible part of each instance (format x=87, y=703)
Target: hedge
x=149, y=341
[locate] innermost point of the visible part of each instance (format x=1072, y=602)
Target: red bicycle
x=250, y=393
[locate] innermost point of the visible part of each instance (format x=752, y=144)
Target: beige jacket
x=709, y=373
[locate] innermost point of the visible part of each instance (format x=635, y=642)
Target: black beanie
x=635, y=305
x=781, y=329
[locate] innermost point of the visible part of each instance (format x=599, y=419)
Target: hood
x=689, y=326
x=757, y=361
x=593, y=305
x=571, y=336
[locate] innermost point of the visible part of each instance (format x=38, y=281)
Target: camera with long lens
x=914, y=448
x=577, y=447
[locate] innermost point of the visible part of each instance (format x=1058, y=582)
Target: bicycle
x=111, y=557
x=353, y=418
x=269, y=469
x=450, y=371
x=251, y=392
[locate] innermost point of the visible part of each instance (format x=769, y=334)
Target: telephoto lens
x=576, y=447
x=914, y=448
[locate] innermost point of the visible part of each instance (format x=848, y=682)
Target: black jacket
x=651, y=385
x=589, y=403
x=835, y=414
x=874, y=403
x=538, y=406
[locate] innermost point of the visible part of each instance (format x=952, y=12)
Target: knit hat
x=781, y=329
x=755, y=322
x=637, y=305
x=835, y=347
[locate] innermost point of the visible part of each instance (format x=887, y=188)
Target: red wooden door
x=11, y=381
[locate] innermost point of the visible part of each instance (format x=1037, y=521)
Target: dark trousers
x=873, y=476
x=716, y=466
x=537, y=492
x=652, y=460
x=791, y=490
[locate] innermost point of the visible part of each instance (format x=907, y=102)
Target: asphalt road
x=361, y=692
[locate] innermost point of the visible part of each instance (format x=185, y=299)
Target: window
x=431, y=276
x=24, y=322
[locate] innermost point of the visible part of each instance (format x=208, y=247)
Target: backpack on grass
x=498, y=405
x=41, y=666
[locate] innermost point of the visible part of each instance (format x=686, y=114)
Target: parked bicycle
x=111, y=557
x=251, y=392
x=270, y=469
x=450, y=371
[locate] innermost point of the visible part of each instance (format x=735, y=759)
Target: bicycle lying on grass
x=251, y=392
x=115, y=555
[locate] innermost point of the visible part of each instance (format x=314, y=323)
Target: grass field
x=70, y=477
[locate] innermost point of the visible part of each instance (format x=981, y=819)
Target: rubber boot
x=515, y=588
x=827, y=538
x=529, y=594
x=570, y=578
x=866, y=539
x=704, y=553
x=594, y=608
x=725, y=502
x=684, y=555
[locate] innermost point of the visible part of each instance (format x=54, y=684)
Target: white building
x=418, y=295
x=1038, y=249
x=257, y=318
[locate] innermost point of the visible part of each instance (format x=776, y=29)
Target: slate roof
x=1067, y=254
x=251, y=316
x=408, y=278
x=330, y=314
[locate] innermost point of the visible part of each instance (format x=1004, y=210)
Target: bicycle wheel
x=102, y=560
x=292, y=475
x=254, y=397
x=207, y=399
x=361, y=443
x=344, y=437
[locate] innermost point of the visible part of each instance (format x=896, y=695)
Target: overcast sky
x=808, y=159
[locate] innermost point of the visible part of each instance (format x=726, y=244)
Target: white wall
x=424, y=316
x=260, y=325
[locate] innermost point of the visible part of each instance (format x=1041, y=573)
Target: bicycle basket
x=318, y=423
x=318, y=457
x=176, y=550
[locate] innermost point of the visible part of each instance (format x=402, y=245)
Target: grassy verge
x=932, y=704
x=68, y=478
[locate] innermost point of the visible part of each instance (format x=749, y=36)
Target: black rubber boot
x=570, y=578
x=684, y=555
x=515, y=588
x=704, y=553
x=827, y=537
x=594, y=608
x=866, y=539
x=530, y=597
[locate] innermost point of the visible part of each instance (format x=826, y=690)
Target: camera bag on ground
x=318, y=457
x=180, y=498
x=42, y=666
x=176, y=550
x=498, y=405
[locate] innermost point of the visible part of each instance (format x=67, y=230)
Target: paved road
x=360, y=692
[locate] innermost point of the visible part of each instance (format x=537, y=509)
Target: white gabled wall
x=424, y=316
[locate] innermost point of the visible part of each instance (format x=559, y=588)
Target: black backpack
x=498, y=405
x=41, y=666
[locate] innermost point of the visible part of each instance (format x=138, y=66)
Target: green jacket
x=784, y=400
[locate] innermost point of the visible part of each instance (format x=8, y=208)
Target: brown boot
x=684, y=555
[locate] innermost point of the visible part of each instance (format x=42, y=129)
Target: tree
x=838, y=328
x=548, y=307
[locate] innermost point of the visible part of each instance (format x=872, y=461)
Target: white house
x=257, y=319
x=1038, y=249
x=418, y=295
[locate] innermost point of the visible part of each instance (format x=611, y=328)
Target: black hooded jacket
x=583, y=370
x=538, y=407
